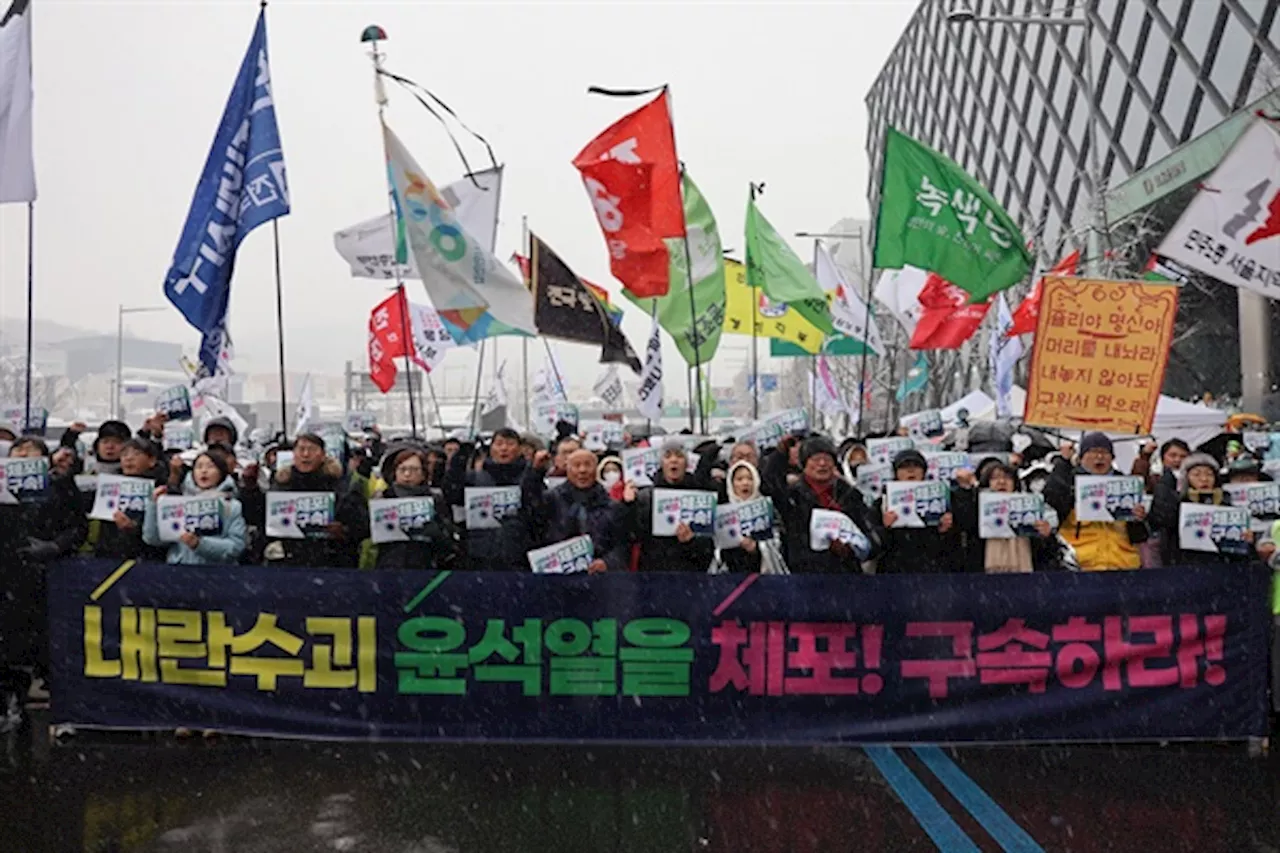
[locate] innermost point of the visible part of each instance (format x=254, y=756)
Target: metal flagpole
x=524, y=341
x=688, y=378
x=31, y=290
x=555, y=368
x=693, y=317
x=866, y=327
x=813, y=359
x=475, y=402
x=435, y=403
x=407, y=342
x=755, y=334
x=284, y=412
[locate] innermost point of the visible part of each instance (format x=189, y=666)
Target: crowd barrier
x=421, y=656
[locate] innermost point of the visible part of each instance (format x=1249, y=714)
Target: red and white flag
x=948, y=319
x=633, y=181
x=388, y=340
x=1027, y=314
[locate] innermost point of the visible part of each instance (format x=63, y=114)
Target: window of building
x=1233, y=54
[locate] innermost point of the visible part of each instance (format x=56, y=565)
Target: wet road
x=134, y=793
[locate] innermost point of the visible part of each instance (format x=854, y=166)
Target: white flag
x=541, y=388
x=497, y=396
x=369, y=247
x=609, y=387
x=210, y=406
x=649, y=397
x=899, y=291
x=849, y=314
x=1004, y=356
x=826, y=394
x=17, y=160
x=463, y=279
x=1231, y=229
x=431, y=340
x=306, y=406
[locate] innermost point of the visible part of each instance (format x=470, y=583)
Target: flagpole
x=813, y=359
x=31, y=289
x=755, y=330
x=693, y=309
x=555, y=368
x=866, y=327
x=406, y=340
x=524, y=341
x=475, y=402
x=284, y=415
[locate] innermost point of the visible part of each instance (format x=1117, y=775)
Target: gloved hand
x=39, y=550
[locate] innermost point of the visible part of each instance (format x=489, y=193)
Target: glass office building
x=1140, y=97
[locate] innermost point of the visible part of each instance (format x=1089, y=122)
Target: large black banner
x=1176, y=653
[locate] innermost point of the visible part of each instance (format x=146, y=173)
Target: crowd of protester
x=568, y=490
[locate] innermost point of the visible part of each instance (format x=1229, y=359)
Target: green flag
x=773, y=266
x=934, y=216
x=837, y=345
x=917, y=378
x=674, y=310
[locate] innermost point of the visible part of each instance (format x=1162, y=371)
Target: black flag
x=564, y=308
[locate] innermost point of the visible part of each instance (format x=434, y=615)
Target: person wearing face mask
x=683, y=552
x=209, y=477
x=762, y=556
x=609, y=473
x=1203, y=485
x=1099, y=545
x=580, y=506
x=313, y=470
x=820, y=487
x=1041, y=552
x=503, y=466
x=406, y=471
x=915, y=550
x=121, y=538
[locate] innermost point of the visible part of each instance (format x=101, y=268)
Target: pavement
x=109, y=793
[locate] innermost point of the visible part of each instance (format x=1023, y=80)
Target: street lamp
x=120, y=312
x=961, y=13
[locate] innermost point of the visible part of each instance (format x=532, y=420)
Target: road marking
x=926, y=809
x=1011, y=837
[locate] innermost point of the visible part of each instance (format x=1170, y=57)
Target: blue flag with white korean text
x=242, y=186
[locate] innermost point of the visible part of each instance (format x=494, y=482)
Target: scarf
x=1005, y=556
x=826, y=494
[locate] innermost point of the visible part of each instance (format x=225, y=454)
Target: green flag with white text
x=675, y=313
x=773, y=266
x=935, y=216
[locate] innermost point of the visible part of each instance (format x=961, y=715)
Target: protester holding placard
x=108, y=446
x=782, y=468
x=121, y=537
x=820, y=488
x=501, y=466
x=580, y=506
x=757, y=551
x=431, y=547
x=915, y=550
x=609, y=473
x=1021, y=550
x=209, y=478
x=312, y=470
x=684, y=551
x=1202, y=485
x=1099, y=545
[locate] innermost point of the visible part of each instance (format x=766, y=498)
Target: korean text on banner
x=751, y=519
x=640, y=464
x=673, y=507
x=1100, y=354
x=401, y=519
x=917, y=504
x=1107, y=498
x=299, y=515
x=1213, y=529
x=1008, y=515
x=563, y=558
x=827, y=526
x=487, y=506
x=176, y=515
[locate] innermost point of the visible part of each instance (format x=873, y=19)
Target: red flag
x=1027, y=314
x=388, y=340
x=633, y=181
x=948, y=319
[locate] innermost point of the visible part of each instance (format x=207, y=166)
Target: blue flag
x=242, y=186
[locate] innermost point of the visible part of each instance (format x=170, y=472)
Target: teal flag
x=935, y=216
x=917, y=378
x=837, y=345
x=675, y=312
x=773, y=266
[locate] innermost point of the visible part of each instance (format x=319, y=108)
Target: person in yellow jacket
x=1099, y=545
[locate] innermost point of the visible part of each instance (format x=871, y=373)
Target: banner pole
x=426, y=427
x=524, y=341
x=813, y=359
x=755, y=335
x=866, y=327
x=693, y=317
x=407, y=338
x=475, y=401
x=31, y=290
x=284, y=414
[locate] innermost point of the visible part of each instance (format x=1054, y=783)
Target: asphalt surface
x=118, y=792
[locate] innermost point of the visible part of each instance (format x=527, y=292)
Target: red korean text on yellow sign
x=1100, y=354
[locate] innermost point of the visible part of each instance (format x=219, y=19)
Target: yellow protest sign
x=1100, y=354
x=773, y=320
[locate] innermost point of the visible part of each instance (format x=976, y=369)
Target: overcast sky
x=128, y=95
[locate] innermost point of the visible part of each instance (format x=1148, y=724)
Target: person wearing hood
x=609, y=473
x=503, y=466
x=683, y=552
x=209, y=477
x=915, y=550
x=1202, y=478
x=406, y=471
x=315, y=471
x=754, y=555
x=221, y=430
x=121, y=538
x=8, y=432
x=580, y=506
x=820, y=487
x=32, y=534
x=1099, y=545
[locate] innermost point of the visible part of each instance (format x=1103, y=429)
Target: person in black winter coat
x=32, y=534
x=1203, y=486
x=314, y=471
x=1040, y=553
x=504, y=466
x=820, y=488
x=683, y=552
x=781, y=469
x=406, y=471
x=915, y=550
x=578, y=507
x=121, y=538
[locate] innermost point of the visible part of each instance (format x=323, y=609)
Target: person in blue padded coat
x=209, y=476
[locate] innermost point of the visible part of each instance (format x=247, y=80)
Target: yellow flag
x=773, y=320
